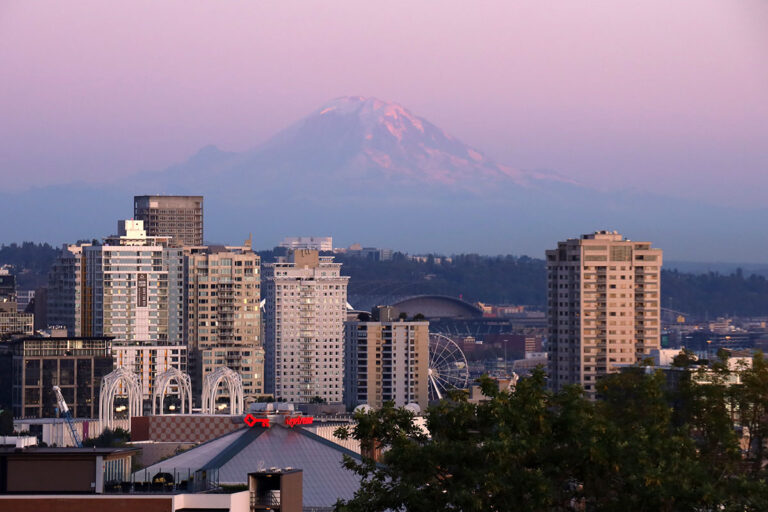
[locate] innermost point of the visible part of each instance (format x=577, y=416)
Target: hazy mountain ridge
x=363, y=170
x=370, y=134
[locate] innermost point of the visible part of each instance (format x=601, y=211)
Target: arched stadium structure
x=437, y=306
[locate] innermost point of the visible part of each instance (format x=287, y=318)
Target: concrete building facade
x=223, y=320
x=13, y=323
x=603, y=307
x=75, y=364
x=305, y=310
x=178, y=217
x=7, y=284
x=386, y=361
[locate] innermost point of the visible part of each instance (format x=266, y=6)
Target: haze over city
x=383, y=256
x=650, y=98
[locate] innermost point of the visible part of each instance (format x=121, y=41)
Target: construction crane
x=64, y=410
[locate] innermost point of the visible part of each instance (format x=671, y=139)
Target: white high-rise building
x=305, y=310
x=134, y=287
x=603, y=307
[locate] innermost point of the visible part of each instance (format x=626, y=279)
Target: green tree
x=6, y=423
x=109, y=438
x=751, y=403
x=531, y=449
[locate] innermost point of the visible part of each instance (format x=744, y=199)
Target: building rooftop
x=249, y=450
x=36, y=450
x=437, y=306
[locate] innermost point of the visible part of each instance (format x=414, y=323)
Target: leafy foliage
x=643, y=446
x=495, y=279
x=491, y=279
x=715, y=294
x=6, y=422
x=109, y=438
x=522, y=280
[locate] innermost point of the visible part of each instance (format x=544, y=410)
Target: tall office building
x=603, y=307
x=305, y=310
x=12, y=321
x=223, y=317
x=66, y=282
x=386, y=360
x=7, y=285
x=178, y=217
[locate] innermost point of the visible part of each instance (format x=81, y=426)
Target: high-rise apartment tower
x=603, y=307
x=306, y=299
x=66, y=285
x=386, y=360
x=223, y=315
x=178, y=217
x=134, y=287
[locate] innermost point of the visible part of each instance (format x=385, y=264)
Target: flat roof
x=35, y=450
x=62, y=338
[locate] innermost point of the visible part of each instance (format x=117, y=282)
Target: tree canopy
x=109, y=438
x=644, y=445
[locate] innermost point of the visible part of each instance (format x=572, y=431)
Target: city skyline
x=356, y=160
x=378, y=256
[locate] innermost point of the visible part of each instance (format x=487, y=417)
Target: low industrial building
x=36, y=470
x=33, y=365
x=35, y=479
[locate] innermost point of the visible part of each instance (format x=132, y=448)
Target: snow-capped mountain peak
x=360, y=136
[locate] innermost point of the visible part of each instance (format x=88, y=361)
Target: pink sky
x=645, y=94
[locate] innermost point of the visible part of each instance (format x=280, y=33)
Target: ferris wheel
x=448, y=368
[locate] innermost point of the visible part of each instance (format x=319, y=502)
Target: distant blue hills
x=363, y=170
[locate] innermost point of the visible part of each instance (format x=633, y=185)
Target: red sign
x=299, y=420
x=251, y=420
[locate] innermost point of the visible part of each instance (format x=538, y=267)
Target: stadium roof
x=437, y=306
x=248, y=450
